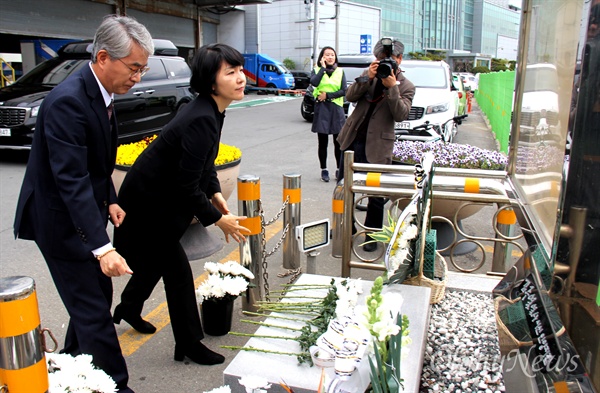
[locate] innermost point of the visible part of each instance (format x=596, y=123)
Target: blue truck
x=264, y=72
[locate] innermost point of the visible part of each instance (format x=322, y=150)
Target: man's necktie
x=109, y=109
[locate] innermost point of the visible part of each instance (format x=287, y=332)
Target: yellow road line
x=131, y=340
x=515, y=252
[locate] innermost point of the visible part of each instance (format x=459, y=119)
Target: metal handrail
x=397, y=181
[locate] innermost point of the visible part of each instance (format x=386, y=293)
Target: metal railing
x=396, y=182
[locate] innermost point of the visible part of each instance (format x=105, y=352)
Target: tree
x=499, y=64
x=434, y=55
x=289, y=63
x=480, y=70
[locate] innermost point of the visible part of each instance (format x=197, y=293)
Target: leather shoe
x=198, y=353
x=370, y=247
x=135, y=321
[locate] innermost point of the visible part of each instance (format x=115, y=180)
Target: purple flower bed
x=449, y=155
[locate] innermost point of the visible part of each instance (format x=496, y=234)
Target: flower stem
x=273, y=316
x=253, y=349
x=263, y=336
x=270, y=325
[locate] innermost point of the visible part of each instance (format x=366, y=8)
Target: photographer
x=383, y=96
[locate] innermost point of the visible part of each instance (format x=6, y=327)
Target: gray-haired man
x=68, y=196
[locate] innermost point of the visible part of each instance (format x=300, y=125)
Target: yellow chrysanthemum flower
x=127, y=154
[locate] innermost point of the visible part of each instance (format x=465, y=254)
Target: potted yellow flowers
x=227, y=163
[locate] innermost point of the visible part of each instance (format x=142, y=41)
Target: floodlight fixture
x=313, y=235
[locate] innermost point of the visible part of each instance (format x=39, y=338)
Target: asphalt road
x=274, y=140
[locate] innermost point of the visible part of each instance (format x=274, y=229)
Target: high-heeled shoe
x=135, y=321
x=199, y=353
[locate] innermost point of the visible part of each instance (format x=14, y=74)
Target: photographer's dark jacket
x=393, y=106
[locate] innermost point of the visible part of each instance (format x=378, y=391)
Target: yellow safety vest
x=330, y=84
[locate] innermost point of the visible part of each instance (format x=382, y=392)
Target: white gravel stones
x=462, y=353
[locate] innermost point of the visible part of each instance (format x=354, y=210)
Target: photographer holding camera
x=383, y=96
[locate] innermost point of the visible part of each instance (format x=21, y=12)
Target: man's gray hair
x=397, y=48
x=117, y=34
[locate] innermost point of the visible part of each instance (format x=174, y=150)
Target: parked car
x=462, y=94
x=435, y=99
x=142, y=111
x=470, y=81
x=301, y=78
x=353, y=66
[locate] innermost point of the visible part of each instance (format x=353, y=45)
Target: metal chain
x=285, y=203
x=263, y=239
x=294, y=273
x=266, y=254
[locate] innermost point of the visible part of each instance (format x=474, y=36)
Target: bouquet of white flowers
x=68, y=374
x=225, y=281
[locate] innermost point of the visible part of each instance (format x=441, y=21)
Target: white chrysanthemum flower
x=211, y=267
x=221, y=389
x=77, y=375
x=226, y=268
x=255, y=384
x=234, y=285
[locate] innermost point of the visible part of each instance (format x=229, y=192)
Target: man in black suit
x=68, y=196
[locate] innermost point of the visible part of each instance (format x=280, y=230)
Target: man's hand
x=373, y=69
x=114, y=265
x=116, y=214
x=390, y=81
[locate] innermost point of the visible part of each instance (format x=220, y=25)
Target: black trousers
x=150, y=263
x=87, y=295
x=374, y=216
x=323, y=142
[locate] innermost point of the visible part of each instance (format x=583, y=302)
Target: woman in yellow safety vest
x=329, y=81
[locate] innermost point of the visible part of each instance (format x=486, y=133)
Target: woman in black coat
x=329, y=81
x=171, y=182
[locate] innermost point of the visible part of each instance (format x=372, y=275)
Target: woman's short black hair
x=323, y=52
x=207, y=63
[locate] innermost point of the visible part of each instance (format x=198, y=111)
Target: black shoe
x=135, y=321
x=337, y=175
x=198, y=353
x=370, y=247
x=325, y=175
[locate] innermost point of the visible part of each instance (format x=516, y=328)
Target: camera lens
x=384, y=70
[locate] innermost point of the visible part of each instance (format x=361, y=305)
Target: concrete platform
x=303, y=378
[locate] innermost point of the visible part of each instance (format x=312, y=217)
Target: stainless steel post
x=347, y=213
x=22, y=361
x=252, y=250
x=502, y=258
x=291, y=219
x=337, y=212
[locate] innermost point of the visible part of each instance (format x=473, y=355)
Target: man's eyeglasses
x=142, y=71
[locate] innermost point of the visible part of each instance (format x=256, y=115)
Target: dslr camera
x=387, y=65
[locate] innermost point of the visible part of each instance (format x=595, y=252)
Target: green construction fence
x=494, y=96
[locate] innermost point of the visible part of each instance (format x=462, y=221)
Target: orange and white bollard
x=22, y=360
x=251, y=250
x=469, y=104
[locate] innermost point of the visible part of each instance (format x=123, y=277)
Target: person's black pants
x=374, y=217
x=87, y=295
x=323, y=142
x=168, y=261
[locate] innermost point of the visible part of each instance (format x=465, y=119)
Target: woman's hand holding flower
x=230, y=225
